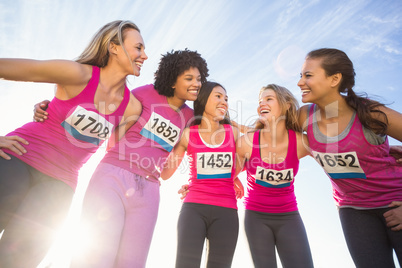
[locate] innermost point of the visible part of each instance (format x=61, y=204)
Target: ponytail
x=336, y=61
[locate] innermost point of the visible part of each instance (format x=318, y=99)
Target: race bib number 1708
x=88, y=126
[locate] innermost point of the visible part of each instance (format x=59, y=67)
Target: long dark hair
x=201, y=102
x=336, y=61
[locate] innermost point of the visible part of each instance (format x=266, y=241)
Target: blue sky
x=247, y=45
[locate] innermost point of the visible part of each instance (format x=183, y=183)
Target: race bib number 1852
x=162, y=131
x=340, y=165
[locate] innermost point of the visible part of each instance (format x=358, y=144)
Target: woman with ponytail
x=347, y=134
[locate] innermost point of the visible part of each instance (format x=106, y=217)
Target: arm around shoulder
x=176, y=156
x=244, y=146
x=303, y=148
x=394, y=123
x=303, y=116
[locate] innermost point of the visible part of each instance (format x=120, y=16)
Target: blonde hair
x=97, y=51
x=285, y=98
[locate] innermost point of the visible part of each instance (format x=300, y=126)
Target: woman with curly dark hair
x=122, y=200
x=121, y=204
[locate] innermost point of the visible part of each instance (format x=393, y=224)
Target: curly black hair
x=175, y=63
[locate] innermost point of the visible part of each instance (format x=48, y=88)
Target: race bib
x=214, y=165
x=87, y=126
x=340, y=165
x=273, y=178
x=162, y=131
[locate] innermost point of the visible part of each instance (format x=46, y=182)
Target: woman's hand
x=396, y=152
x=183, y=191
x=12, y=143
x=393, y=217
x=239, y=189
x=40, y=113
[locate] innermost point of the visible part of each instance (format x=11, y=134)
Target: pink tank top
x=211, y=170
x=362, y=175
x=270, y=187
x=146, y=145
x=74, y=130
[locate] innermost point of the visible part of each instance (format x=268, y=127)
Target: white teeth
x=264, y=111
x=222, y=109
x=305, y=91
x=138, y=64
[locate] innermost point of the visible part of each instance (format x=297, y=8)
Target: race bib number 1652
x=340, y=165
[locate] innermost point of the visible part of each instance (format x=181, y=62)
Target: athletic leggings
x=370, y=241
x=285, y=231
x=120, y=209
x=218, y=225
x=32, y=208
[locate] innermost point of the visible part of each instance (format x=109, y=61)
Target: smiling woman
x=40, y=161
x=246, y=44
x=209, y=211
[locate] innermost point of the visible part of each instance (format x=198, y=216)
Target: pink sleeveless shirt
x=270, y=187
x=74, y=130
x=146, y=145
x=211, y=170
x=362, y=175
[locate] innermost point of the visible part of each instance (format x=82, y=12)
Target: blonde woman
x=40, y=161
x=270, y=155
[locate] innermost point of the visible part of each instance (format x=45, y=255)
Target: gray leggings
x=370, y=241
x=197, y=222
x=285, y=231
x=32, y=208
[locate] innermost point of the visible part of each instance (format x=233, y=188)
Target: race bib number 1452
x=211, y=165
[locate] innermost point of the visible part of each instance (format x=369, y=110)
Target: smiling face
x=314, y=82
x=187, y=85
x=217, y=104
x=134, y=45
x=269, y=108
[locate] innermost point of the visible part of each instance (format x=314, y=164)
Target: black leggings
x=197, y=222
x=370, y=241
x=285, y=231
x=32, y=207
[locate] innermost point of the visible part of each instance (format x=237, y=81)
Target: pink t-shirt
x=74, y=130
x=270, y=187
x=362, y=175
x=211, y=170
x=146, y=145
